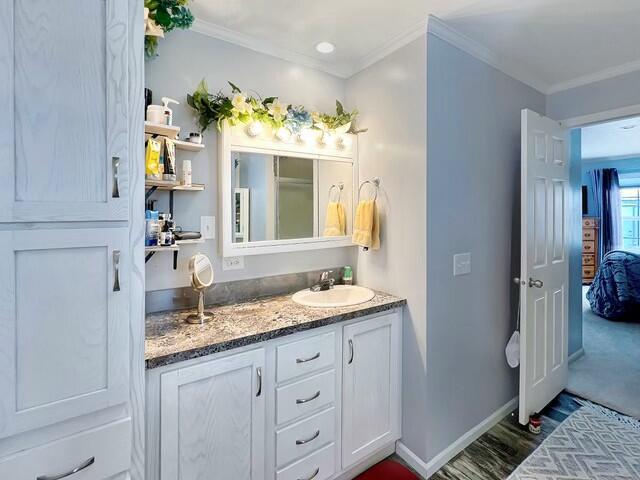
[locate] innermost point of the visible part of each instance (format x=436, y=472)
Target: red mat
x=387, y=470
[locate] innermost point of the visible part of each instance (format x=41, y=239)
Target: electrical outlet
x=208, y=227
x=233, y=263
x=461, y=264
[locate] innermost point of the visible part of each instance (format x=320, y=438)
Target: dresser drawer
x=305, y=356
x=304, y=437
x=305, y=396
x=109, y=447
x=589, y=223
x=588, y=259
x=317, y=466
x=588, y=234
x=589, y=246
x=588, y=272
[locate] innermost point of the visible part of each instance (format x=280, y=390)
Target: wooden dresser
x=589, y=249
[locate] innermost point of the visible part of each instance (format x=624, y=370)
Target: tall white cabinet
x=65, y=236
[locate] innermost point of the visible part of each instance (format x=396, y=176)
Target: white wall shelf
x=173, y=186
x=169, y=131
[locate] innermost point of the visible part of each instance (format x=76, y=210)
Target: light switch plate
x=208, y=227
x=461, y=264
x=233, y=263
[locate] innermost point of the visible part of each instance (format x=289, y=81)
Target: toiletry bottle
x=168, y=113
x=186, y=173
x=347, y=275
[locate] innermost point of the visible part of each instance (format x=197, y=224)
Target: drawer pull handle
x=82, y=466
x=313, y=475
x=259, y=373
x=307, y=400
x=115, y=165
x=351, y=350
x=310, y=439
x=116, y=270
x=305, y=360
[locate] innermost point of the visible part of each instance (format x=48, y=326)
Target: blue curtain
x=606, y=193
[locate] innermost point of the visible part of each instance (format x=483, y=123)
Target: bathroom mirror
x=280, y=196
x=201, y=272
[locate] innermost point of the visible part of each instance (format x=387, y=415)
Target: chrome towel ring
x=374, y=183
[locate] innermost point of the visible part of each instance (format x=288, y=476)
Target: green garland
x=168, y=15
x=244, y=109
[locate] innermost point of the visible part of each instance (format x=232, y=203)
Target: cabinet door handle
x=310, y=439
x=300, y=401
x=82, y=466
x=259, y=374
x=115, y=169
x=351, y=351
x=116, y=270
x=305, y=360
x=313, y=475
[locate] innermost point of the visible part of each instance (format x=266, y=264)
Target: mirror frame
x=235, y=139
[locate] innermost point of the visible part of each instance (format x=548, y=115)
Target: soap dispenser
x=168, y=113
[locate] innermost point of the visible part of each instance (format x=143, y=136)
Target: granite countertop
x=169, y=339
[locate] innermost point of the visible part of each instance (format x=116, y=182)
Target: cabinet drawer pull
x=305, y=360
x=310, y=439
x=82, y=466
x=306, y=400
x=313, y=475
x=259, y=374
x=351, y=350
x=115, y=165
x=116, y=270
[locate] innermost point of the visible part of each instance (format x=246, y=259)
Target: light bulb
x=344, y=141
x=283, y=134
x=326, y=138
x=254, y=129
x=306, y=135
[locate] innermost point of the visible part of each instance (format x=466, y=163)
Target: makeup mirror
x=201, y=272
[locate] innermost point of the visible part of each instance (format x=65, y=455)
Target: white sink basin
x=338, y=296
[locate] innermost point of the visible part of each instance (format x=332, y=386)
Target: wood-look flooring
x=497, y=453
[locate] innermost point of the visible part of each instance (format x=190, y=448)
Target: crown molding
x=605, y=74
x=442, y=30
x=261, y=46
x=391, y=46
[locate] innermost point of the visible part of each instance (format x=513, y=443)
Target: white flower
x=240, y=103
x=277, y=109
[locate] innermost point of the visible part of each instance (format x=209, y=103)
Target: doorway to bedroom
x=607, y=369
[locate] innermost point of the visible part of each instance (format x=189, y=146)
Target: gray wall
x=187, y=57
x=617, y=92
x=473, y=205
x=391, y=96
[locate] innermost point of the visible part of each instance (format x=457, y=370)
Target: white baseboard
x=428, y=469
x=576, y=355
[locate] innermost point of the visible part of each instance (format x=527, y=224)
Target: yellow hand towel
x=335, y=224
x=366, y=229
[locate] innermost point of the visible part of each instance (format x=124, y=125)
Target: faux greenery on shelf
x=166, y=15
x=243, y=108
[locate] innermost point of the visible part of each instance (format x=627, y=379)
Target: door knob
x=535, y=283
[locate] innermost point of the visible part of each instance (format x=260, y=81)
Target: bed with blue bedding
x=615, y=291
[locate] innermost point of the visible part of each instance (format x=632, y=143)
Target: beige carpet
x=609, y=371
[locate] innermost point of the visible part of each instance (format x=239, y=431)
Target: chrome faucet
x=325, y=282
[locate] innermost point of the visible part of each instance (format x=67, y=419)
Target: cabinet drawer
x=588, y=259
x=304, y=437
x=109, y=446
x=305, y=396
x=317, y=466
x=588, y=234
x=305, y=356
x=588, y=272
x=588, y=246
x=589, y=223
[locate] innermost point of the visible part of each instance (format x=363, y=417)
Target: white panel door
x=64, y=325
x=213, y=420
x=63, y=128
x=544, y=282
x=371, y=387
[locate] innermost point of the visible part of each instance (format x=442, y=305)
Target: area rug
x=387, y=470
x=593, y=443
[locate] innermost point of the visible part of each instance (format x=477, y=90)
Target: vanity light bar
x=255, y=129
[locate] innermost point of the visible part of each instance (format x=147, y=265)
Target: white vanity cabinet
x=319, y=409
x=213, y=419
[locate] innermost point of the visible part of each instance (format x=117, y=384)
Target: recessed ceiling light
x=325, y=47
